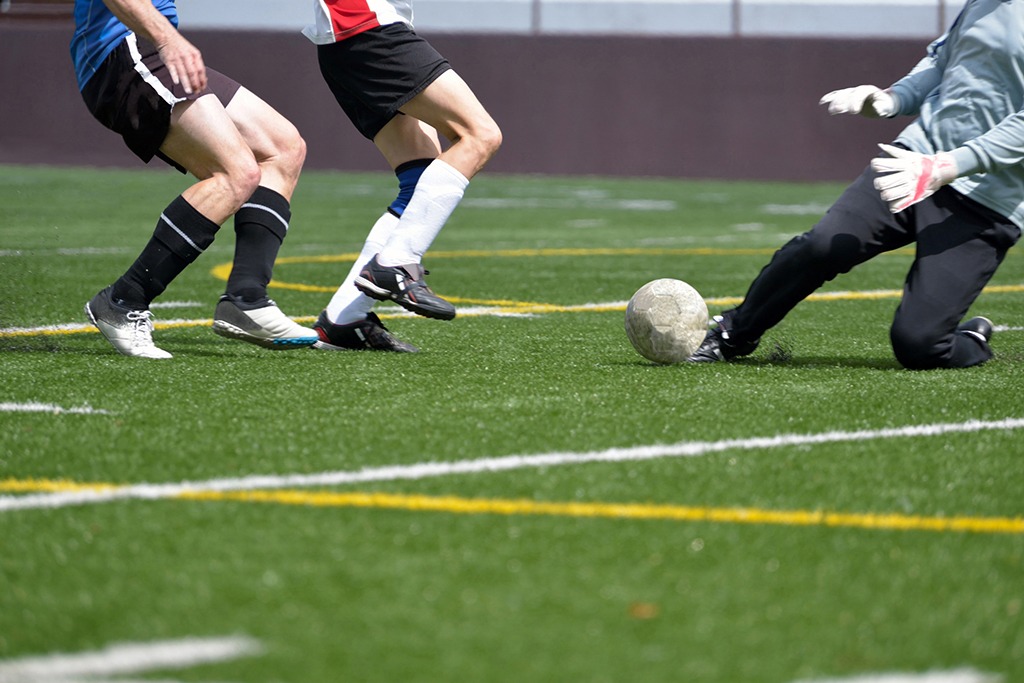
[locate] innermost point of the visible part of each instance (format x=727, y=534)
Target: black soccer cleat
x=717, y=345
x=980, y=328
x=368, y=334
x=405, y=286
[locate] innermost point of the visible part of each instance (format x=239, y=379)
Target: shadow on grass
x=781, y=355
x=830, y=362
x=32, y=345
x=803, y=363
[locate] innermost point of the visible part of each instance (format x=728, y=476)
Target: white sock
x=438, y=192
x=349, y=305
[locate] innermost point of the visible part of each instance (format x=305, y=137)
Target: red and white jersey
x=335, y=20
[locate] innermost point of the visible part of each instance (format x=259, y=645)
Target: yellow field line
x=491, y=506
x=521, y=307
x=222, y=271
x=51, y=486
x=567, y=251
x=451, y=504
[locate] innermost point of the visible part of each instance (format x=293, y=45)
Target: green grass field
x=527, y=499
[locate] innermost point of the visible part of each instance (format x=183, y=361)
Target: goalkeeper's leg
x=960, y=246
x=858, y=227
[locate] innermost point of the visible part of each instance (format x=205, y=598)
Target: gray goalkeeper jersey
x=968, y=94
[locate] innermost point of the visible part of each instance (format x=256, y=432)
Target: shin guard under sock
x=181, y=235
x=438, y=191
x=260, y=228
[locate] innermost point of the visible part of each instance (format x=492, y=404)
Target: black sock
x=260, y=227
x=181, y=235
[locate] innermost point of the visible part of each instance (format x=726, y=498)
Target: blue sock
x=408, y=175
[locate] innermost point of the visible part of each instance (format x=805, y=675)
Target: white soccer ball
x=666, y=320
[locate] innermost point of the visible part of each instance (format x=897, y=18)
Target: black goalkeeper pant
x=960, y=244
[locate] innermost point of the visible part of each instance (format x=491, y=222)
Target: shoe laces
x=142, y=327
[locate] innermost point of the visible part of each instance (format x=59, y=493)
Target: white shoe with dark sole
x=266, y=326
x=128, y=330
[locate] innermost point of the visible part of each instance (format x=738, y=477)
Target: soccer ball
x=666, y=320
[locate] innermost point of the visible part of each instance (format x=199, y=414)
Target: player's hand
x=910, y=177
x=184, y=62
x=866, y=100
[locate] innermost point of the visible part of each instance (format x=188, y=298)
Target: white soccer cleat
x=267, y=326
x=129, y=331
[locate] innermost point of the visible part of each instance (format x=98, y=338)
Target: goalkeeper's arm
x=908, y=177
x=903, y=97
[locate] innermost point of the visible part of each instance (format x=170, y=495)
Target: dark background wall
x=738, y=108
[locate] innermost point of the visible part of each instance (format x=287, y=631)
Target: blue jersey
x=98, y=32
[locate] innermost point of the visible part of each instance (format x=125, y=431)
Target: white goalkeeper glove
x=866, y=100
x=910, y=177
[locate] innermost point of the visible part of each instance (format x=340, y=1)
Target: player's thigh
x=266, y=131
x=960, y=244
x=449, y=105
x=405, y=138
x=204, y=139
x=857, y=227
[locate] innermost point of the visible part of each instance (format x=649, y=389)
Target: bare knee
x=477, y=146
x=237, y=182
x=282, y=161
x=487, y=138
x=289, y=153
x=246, y=180
x=296, y=154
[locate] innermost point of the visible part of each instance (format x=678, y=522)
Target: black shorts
x=132, y=94
x=373, y=73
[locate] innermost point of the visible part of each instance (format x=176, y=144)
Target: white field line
x=49, y=408
x=952, y=676
x=424, y=470
x=126, y=658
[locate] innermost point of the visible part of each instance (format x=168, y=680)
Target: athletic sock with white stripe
x=260, y=228
x=181, y=235
x=438, y=192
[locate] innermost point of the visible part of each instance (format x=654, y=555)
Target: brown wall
x=675, y=107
